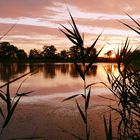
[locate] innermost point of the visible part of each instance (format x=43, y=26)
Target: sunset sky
x=38, y=22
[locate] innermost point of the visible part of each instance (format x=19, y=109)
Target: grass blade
x=3, y=97
x=29, y=138
x=92, y=46
x=71, y=97
x=76, y=31
x=79, y=71
x=8, y=31
x=9, y=115
x=72, y=134
x=88, y=98
x=90, y=64
x=92, y=84
x=16, y=79
x=8, y=99
x=110, y=128
x=1, y=112
x=83, y=96
x=88, y=134
x=69, y=31
x=130, y=27
x=105, y=125
x=81, y=113
x=71, y=38
x=24, y=94
x=133, y=20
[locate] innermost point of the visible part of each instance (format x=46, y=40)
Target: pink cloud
x=38, y=20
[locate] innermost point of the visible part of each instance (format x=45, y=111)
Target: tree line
x=49, y=52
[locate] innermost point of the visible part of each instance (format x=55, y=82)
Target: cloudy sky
x=38, y=22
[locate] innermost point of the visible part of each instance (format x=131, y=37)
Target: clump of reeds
x=75, y=37
x=126, y=87
x=10, y=102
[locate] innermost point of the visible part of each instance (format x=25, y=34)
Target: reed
x=126, y=88
x=75, y=37
x=10, y=102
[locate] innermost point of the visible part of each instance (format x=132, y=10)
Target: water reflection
x=111, y=68
x=11, y=70
x=54, y=78
x=48, y=70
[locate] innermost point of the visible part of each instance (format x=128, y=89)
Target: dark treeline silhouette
x=49, y=52
x=8, y=51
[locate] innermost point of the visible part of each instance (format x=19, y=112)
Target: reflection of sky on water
x=43, y=98
x=54, y=79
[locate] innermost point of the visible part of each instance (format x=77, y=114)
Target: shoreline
x=99, y=60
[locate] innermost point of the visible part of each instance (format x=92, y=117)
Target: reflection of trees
x=21, y=68
x=11, y=70
x=73, y=72
x=64, y=68
x=110, y=68
x=35, y=67
x=49, y=70
x=93, y=70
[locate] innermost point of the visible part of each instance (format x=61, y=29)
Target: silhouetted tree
x=91, y=54
x=74, y=52
x=21, y=54
x=34, y=53
x=7, y=50
x=64, y=54
x=49, y=51
x=109, y=53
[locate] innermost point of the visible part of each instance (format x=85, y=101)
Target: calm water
x=54, y=80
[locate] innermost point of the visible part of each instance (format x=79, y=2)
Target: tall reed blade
x=108, y=130
x=88, y=98
x=80, y=71
x=8, y=99
x=81, y=113
x=9, y=115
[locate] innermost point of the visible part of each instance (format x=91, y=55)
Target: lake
x=42, y=113
x=53, y=80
